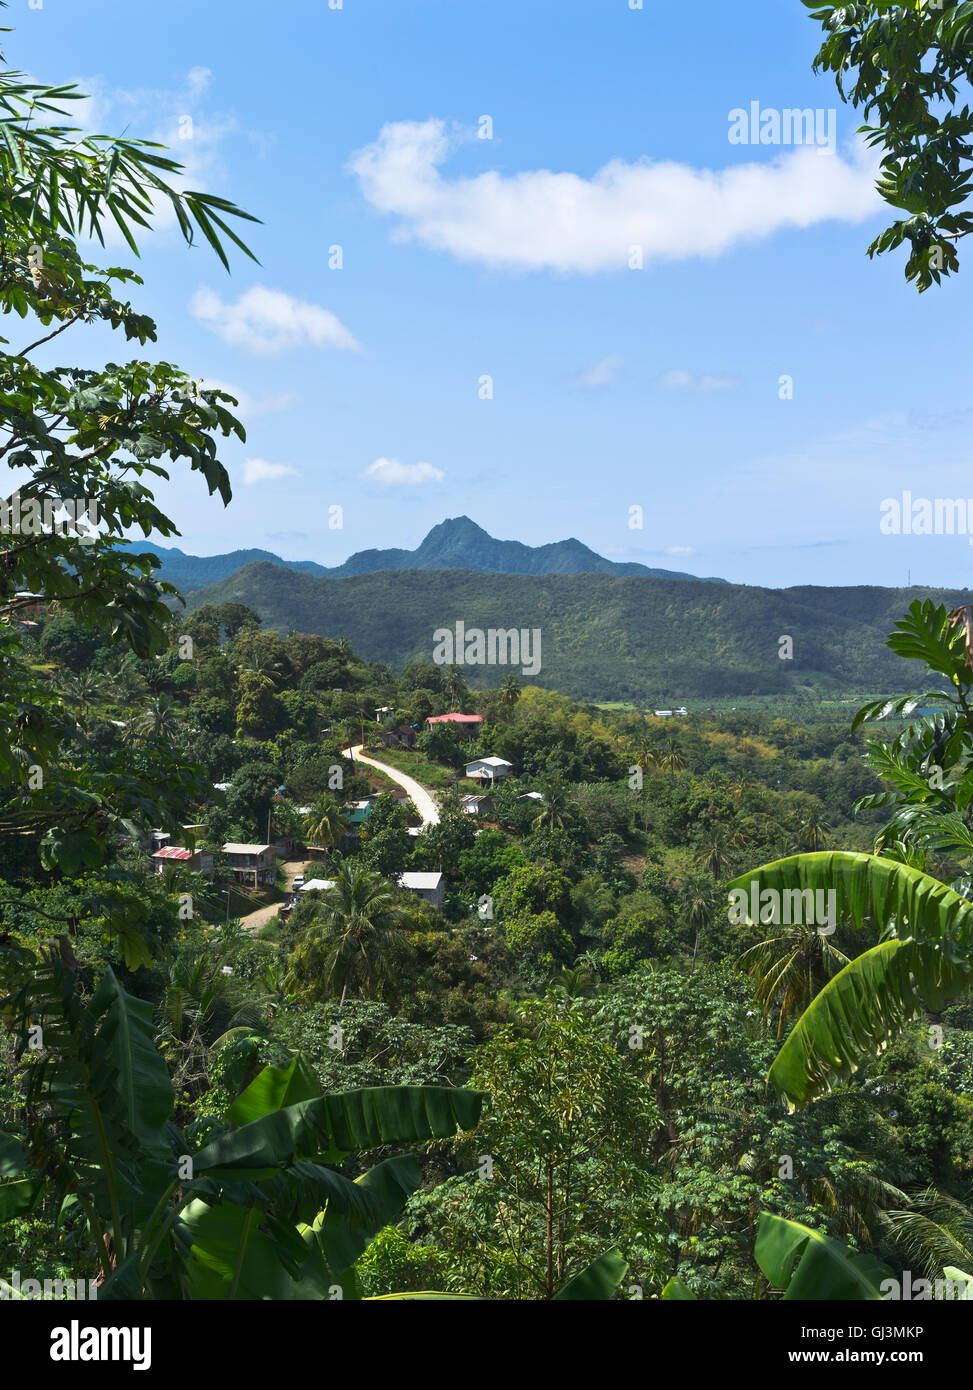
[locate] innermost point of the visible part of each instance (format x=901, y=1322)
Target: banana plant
x=924, y=960
x=597, y=1283
x=263, y=1211
x=801, y=1263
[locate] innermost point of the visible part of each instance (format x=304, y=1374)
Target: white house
x=253, y=865
x=430, y=887
x=489, y=769
x=317, y=885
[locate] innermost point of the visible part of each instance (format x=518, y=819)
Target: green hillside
x=602, y=637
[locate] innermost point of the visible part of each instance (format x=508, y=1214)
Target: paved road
x=421, y=799
x=253, y=921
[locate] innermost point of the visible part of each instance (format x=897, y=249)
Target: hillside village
x=401, y=856
x=483, y=921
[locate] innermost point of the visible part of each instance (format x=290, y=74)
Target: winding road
x=420, y=798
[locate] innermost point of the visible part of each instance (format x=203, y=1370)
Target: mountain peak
x=457, y=543
x=458, y=528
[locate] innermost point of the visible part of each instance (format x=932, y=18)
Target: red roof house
x=468, y=723
x=199, y=861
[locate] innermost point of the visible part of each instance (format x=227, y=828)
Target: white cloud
x=601, y=373
x=249, y=405
x=260, y=471
x=269, y=321
x=198, y=79
x=171, y=116
x=678, y=380
x=392, y=473
x=538, y=219
x=680, y=550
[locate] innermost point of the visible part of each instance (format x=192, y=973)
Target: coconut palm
x=715, y=857
x=936, y=1229
x=672, y=759
x=700, y=904
x=737, y=790
x=326, y=822
x=789, y=968
x=509, y=693
x=127, y=685
x=358, y=934
x=555, y=811
x=644, y=753
x=82, y=688
x=812, y=830
x=159, y=719
x=456, y=688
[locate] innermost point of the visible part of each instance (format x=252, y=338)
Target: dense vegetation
x=603, y=638
x=591, y=1073
x=583, y=973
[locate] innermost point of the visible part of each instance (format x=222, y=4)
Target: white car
x=298, y=883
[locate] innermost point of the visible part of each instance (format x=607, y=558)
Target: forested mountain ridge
x=457, y=543
x=603, y=637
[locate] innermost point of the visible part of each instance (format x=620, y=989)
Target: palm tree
x=82, y=688
x=159, y=719
x=577, y=981
x=556, y=809
x=359, y=933
x=509, y=693
x=700, y=905
x=812, y=830
x=645, y=755
x=715, y=857
x=672, y=759
x=790, y=967
x=326, y=822
x=737, y=790
x=127, y=683
x=456, y=688
x=936, y=1229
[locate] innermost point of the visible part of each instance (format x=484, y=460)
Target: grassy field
x=428, y=774
x=801, y=707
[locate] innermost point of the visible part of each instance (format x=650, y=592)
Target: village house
x=28, y=605
x=477, y=804
x=468, y=724
x=431, y=888
x=402, y=737
x=254, y=866
x=196, y=861
x=489, y=770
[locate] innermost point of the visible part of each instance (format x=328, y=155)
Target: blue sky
x=507, y=257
